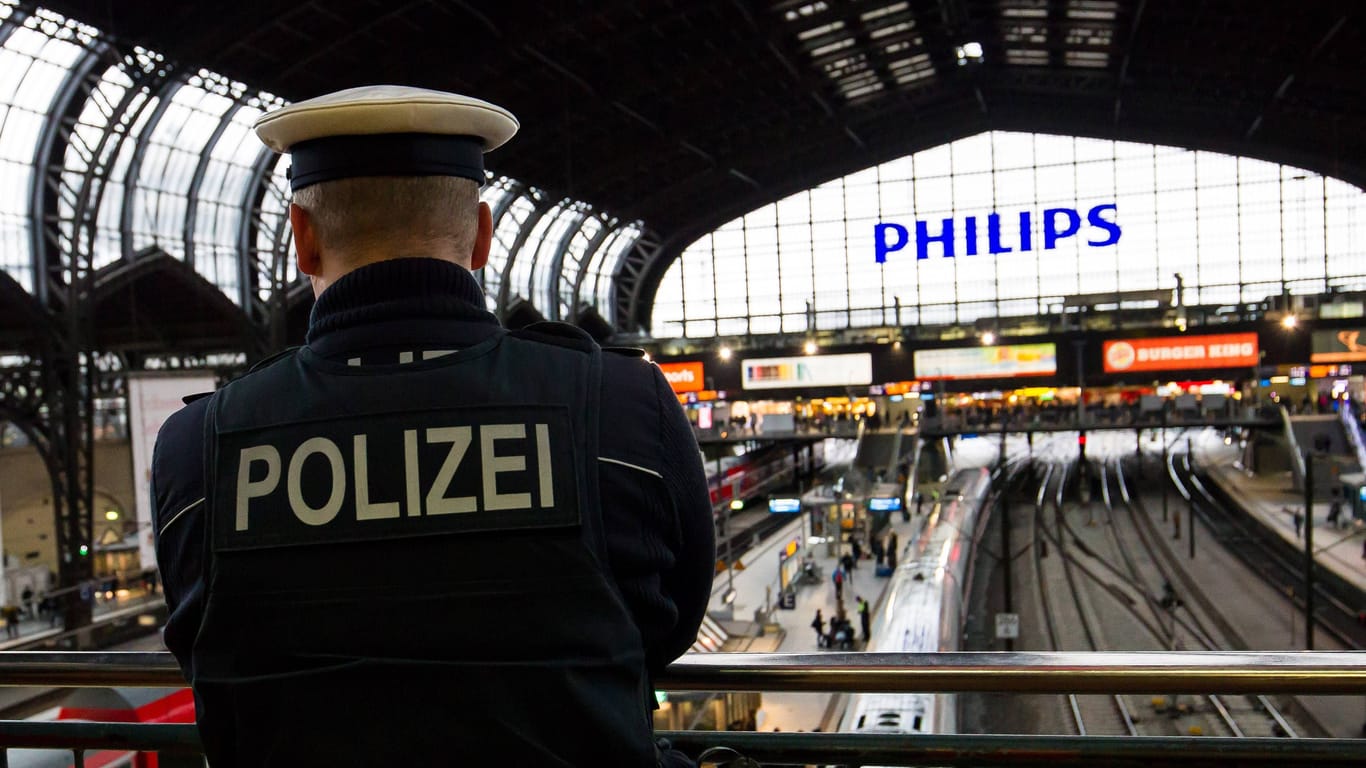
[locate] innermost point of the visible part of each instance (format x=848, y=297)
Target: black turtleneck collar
x=406, y=291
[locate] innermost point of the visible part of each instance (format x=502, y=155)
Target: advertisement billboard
x=1004, y=361
x=809, y=371
x=1339, y=346
x=151, y=400
x=684, y=377
x=1176, y=353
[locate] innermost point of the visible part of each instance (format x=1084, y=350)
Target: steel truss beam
x=64, y=208
x=543, y=206
x=197, y=182
x=552, y=300
x=251, y=268
x=626, y=298
x=589, y=252
x=514, y=190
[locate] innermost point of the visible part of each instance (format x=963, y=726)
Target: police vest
x=406, y=565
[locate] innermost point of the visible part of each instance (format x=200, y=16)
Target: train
x=745, y=476
x=110, y=705
x=923, y=610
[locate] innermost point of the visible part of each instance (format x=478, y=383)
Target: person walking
x=818, y=624
x=863, y=617
x=1299, y=523
x=837, y=576
x=11, y=614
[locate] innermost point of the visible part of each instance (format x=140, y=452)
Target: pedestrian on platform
x=818, y=624
x=919, y=502
x=847, y=563
x=857, y=547
x=11, y=613
x=863, y=617
x=837, y=576
x=893, y=550
x=1335, y=513
x=27, y=597
x=588, y=542
x=1299, y=523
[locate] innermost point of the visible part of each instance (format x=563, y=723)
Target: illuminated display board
x=1340, y=346
x=884, y=505
x=683, y=377
x=784, y=506
x=1176, y=353
x=810, y=371
x=1005, y=361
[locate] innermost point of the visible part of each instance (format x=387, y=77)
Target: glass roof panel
x=33, y=66
x=989, y=232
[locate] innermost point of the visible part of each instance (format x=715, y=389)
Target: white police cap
x=386, y=130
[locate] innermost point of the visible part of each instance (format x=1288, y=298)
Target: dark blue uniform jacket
x=655, y=509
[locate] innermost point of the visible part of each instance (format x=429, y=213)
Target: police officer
x=421, y=539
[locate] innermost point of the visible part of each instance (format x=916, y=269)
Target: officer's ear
x=483, y=239
x=305, y=240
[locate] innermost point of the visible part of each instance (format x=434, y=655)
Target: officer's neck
x=336, y=264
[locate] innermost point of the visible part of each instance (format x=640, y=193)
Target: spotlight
x=1289, y=322
x=810, y=348
x=724, y=353
x=988, y=338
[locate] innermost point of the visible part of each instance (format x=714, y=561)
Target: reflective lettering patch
x=387, y=476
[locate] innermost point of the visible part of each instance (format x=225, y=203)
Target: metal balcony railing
x=1342, y=673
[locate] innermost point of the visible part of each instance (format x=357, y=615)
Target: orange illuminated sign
x=1174, y=353
x=683, y=377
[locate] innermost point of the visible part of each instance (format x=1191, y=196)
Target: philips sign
x=1057, y=223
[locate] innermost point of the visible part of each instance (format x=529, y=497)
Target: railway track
x=1236, y=716
x=1090, y=715
x=1117, y=575
x=1264, y=553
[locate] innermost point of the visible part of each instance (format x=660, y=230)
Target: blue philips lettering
x=994, y=234
x=1097, y=221
x=1100, y=223
x=923, y=238
x=1051, y=233
x=880, y=231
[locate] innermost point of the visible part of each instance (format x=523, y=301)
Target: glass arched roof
x=1236, y=229
x=166, y=159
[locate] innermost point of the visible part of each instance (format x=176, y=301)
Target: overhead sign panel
x=1175, y=353
x=683, y=377
x=810, y=371
x=1005, y=361
x=1341, y=346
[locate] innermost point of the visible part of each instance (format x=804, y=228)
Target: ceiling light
x=988, y=338
x=724, y=353
x=810, y=348
x=1289, y=322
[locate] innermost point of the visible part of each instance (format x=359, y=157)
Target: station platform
x=124, y=603
x=1272, y=500
x=782, y=630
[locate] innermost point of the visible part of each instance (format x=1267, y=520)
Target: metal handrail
x=1318, y=672
x=1310, y=672
x=1296, y=457
x=1346, y=413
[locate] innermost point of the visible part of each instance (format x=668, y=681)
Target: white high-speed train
x=923, y=610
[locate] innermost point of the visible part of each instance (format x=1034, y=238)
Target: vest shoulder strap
x=557, y=334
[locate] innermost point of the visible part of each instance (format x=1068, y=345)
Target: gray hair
x=421, y=213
